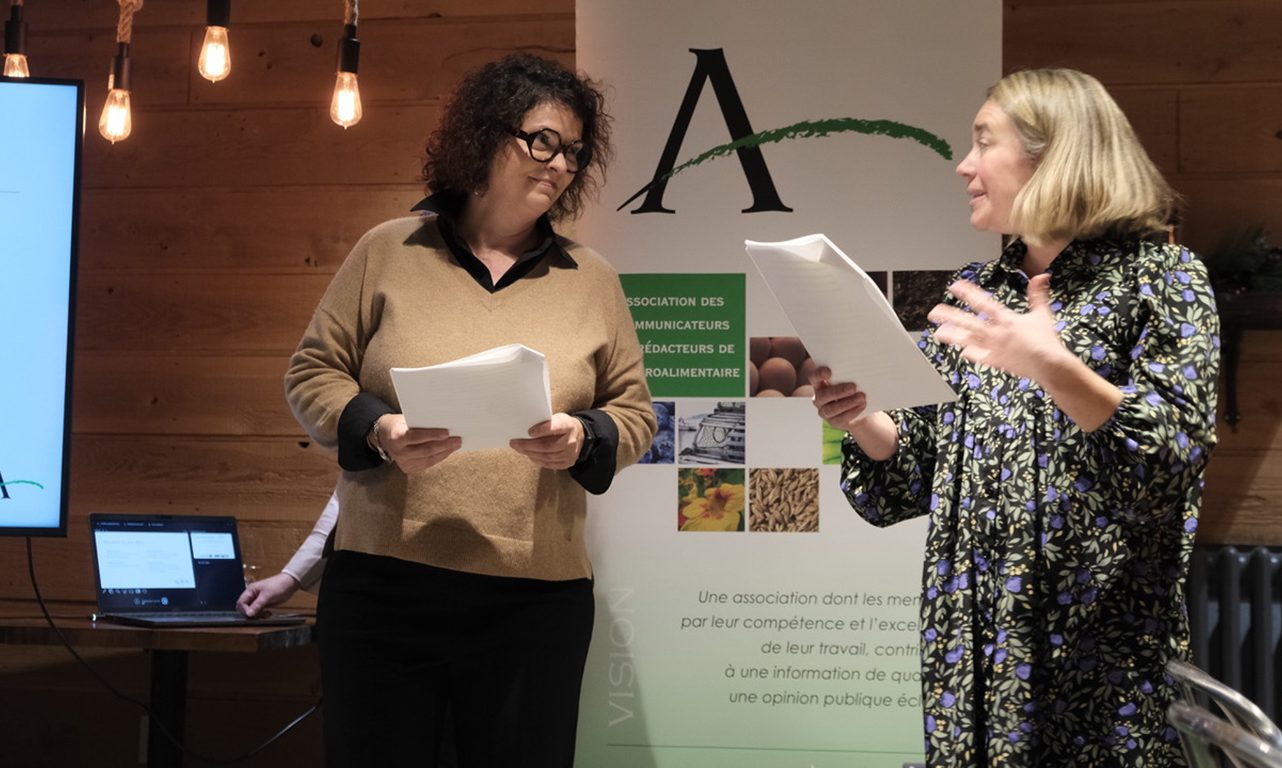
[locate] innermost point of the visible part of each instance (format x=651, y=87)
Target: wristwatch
x=589, y=438
x=371, y=439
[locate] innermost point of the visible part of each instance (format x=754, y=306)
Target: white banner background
x=666, y=687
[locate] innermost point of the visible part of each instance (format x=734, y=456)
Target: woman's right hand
x=838, y=403
x=414, y=450
x=842, y=405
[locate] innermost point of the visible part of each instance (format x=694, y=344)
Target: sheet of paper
x=846, y=323
x=487, y=399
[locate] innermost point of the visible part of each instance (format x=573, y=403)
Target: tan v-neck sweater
x=400, y=300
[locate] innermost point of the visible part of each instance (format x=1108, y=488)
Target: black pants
x=408, y=650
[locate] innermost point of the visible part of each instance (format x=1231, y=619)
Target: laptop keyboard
x=183, y=615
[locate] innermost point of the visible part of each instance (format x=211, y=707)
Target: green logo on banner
x=692, y=330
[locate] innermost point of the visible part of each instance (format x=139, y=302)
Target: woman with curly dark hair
x=459, y=584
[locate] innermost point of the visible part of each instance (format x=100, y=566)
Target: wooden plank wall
x=208, y=236
x=1201, y=81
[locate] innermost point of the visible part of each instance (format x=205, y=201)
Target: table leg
x=169, y=705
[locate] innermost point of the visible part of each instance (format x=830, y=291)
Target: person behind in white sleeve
x=303, y=571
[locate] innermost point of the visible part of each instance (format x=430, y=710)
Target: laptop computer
x=171, y=571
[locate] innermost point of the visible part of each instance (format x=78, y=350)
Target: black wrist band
x=589, y=438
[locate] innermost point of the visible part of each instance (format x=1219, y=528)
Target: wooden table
x=170, y=648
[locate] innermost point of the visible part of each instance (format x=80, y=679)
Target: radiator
x=1235, y=619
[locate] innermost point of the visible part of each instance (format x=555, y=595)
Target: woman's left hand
x=553, y=444
x=1023, y=345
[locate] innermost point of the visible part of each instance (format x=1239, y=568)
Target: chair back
x=1198, y=687
x=1207, y=738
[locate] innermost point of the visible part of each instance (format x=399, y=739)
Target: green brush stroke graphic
x=812, y=129
x=23, y=482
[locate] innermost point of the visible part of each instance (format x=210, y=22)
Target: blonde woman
x=1063, y=485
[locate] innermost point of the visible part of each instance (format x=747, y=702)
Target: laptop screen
x=161, y=563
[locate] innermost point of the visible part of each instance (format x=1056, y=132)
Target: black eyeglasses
x=545, y=144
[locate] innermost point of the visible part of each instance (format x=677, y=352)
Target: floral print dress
x=1053, y=586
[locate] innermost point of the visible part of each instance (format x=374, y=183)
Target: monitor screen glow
x=41, y=132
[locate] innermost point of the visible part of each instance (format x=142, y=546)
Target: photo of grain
x=783, y=500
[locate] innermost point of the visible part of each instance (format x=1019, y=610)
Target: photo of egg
x=778, y=366
x=777, y=375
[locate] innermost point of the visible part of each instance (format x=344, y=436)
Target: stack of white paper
x=487, y=399
x=846, y=323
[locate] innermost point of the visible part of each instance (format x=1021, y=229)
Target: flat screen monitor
x=41, y=132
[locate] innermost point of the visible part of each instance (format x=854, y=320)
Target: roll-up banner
x=746, y=616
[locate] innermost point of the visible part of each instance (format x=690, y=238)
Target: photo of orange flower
x=711, y=499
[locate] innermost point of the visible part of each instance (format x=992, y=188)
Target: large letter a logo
x=711, y=66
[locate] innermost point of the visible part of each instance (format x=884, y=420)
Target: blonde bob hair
x=1092, y=176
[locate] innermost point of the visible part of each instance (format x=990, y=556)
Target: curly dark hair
x=489, y=104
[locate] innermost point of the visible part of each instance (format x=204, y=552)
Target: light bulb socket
x=120, y=68
x=15, y=32
x=349, y=50
x=218, y=13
